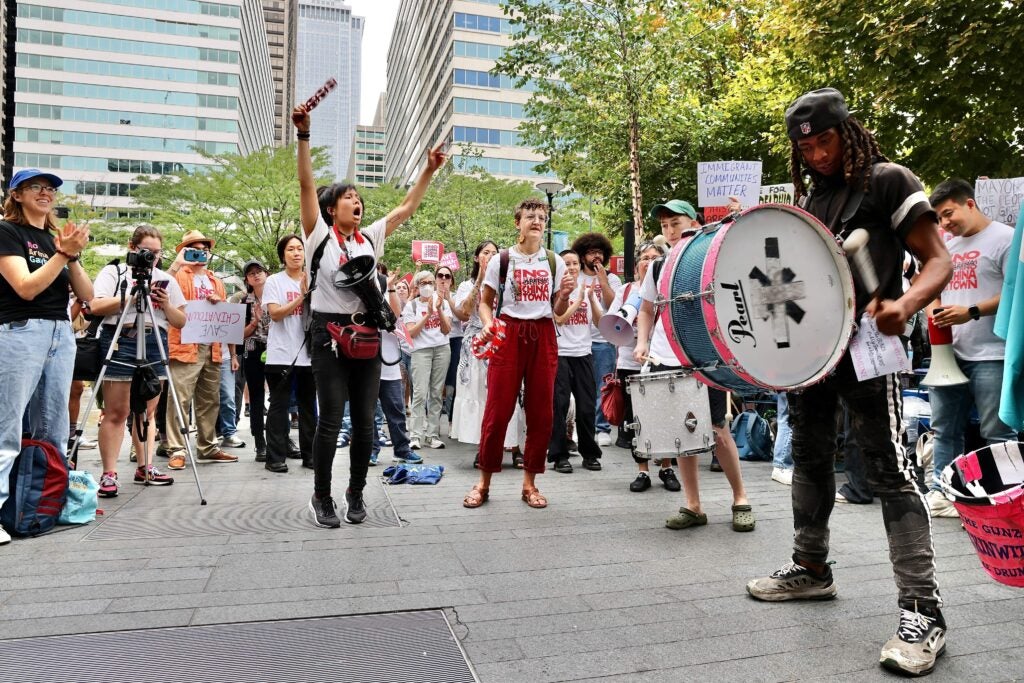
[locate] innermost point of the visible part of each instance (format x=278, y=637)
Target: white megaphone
x=618, y=327
x=943, y=371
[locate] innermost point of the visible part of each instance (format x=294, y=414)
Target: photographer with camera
x=195, y=368
x=112, y=287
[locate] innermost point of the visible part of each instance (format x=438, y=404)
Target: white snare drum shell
x=783, y=297
x=672, y=414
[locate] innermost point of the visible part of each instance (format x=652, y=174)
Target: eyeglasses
x=425, y=282
x=41, y=189
x=443, y=276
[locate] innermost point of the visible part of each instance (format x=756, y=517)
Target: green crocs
x=685, y=519
x=743, y=518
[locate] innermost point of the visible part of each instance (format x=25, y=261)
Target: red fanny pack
x=357, y=342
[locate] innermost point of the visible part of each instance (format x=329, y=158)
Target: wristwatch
x=974, y=312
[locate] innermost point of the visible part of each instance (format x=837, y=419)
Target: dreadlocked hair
x=860, y=151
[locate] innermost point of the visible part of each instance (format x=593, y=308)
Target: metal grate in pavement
x=399, y=647
x=229, y=519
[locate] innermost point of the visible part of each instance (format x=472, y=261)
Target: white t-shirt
x=461, y=294
x=529, y=285
x=390, y=373
x=430, y=334
x=327, y=298
x=574, y=333
x=616, y=283
x=625, y=358
x=108, y=284
x=660, y=347
x=978, y=265
x=202, y=286
x=284, y=338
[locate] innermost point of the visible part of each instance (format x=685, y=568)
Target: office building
x=330, y=42
x=6, y=98
x=366, y=166
x=281, y=18
x=110, y=91
x=440, y=89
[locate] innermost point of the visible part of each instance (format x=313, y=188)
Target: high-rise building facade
x=6, y=91
x=366, y=165
x=282, y=20
x=108, y=90
x=330, y=43
x=440, y=89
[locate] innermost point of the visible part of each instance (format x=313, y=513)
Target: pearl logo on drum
x=740, y=327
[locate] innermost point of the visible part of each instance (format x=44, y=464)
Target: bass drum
x=761, y=302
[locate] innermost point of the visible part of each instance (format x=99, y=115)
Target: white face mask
x=427, y=291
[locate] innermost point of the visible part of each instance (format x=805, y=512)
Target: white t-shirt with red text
x=979, y=262
x=430, y=335
x=660, y=348
x=528, y=285
x=284, y=338
x=616, y=283
x=574, y=333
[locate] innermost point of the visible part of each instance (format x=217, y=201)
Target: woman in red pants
x=520, y=289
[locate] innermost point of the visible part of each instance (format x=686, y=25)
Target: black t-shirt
x=36, y=247
x=888, y=210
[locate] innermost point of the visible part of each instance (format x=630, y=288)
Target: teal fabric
x=1010, y=326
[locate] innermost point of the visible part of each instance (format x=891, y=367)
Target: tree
x=247, y=203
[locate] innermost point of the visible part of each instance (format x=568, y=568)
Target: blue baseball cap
x=30, y=173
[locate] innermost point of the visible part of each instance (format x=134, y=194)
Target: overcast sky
x=380, y=19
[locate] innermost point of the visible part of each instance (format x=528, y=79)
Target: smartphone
x=195, y=256
x=937, y=311
x=160, y=284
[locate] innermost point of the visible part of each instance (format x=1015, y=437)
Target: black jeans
x=875, y=408
x=254, y=379
x=279, y=379
x=575, y=376
x=340, y=379
x=856, y=489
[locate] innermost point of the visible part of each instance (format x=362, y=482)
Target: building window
x=478, y=22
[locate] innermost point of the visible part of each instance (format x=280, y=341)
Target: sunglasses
x=443, y=276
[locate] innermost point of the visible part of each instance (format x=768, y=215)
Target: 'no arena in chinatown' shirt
x=529, y=284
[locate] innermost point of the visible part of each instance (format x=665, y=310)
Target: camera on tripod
x=141, y=261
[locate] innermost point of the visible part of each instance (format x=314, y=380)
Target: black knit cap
x=815, y=112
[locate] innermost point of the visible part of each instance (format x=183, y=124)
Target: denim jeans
x=35, y=382
x=227, y=424
x=783, y=435
x=605, y=356
x=951, y=406
x=392, y=402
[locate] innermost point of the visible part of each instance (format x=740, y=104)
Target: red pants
x=529, y=356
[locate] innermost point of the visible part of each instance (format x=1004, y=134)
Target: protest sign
x=719, y=180
x=1000, y=198
x=617, y=265
x=451, y=260
x=777, y=194
x=713, y=214
x=426, y=251
x=207, y=323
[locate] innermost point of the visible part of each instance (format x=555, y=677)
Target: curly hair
x=593, y=240
x=860, y=151
x=530, y=204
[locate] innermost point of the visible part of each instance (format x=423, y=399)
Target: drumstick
x=320, y=94
x=855, y=247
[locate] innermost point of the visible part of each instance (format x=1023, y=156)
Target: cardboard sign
x=713, y=214
x=1000, y=199
x=875, y=354
x=719, y=180
x=207, y=323
x=425, y=251
x=450, y=260
x=777, y=194
x=617, y=265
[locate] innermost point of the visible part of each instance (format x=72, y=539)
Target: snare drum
x=764, y=301
x=672, y=414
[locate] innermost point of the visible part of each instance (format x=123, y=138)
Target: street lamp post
x=550, y=188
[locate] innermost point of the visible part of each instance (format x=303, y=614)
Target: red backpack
x=39, y=487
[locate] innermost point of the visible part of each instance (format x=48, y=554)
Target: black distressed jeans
x=875, y=408
x=340, y=379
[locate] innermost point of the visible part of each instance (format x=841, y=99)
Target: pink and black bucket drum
x=763, y=301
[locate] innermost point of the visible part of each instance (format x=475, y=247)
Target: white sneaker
x=840, y=498
x=4, y=536
x=604, y=439
x=414, y=443
x=939, y=505
x=783, y=476
x=85, y=444
x=434, y=442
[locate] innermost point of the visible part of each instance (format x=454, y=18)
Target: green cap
x=676, y=206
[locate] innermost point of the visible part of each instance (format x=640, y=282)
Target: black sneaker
x=793, y=582
x=563, y=466
x=324, y=512
x=715, y=467
x=920, y=639
x=668, y=478
x=641, y=483
x=622, y=441
x=355, y=510
x=592, y=464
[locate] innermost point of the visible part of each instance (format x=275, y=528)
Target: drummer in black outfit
x=854, y=186
x=332, y=218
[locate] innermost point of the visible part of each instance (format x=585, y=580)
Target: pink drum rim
x=711, y=316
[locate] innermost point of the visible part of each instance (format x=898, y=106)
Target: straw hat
x=193, y=236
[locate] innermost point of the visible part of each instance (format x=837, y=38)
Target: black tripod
x=141, y=291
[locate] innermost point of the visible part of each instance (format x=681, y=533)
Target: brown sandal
x=476, y=497
x=534, y=499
